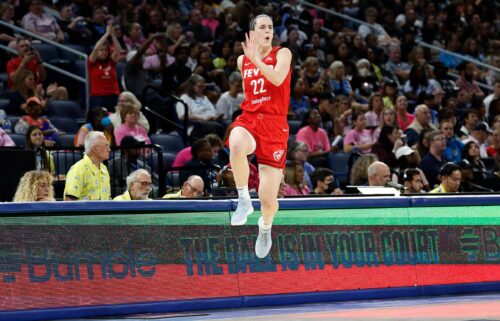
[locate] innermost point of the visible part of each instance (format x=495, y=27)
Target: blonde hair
x=290, y=174
x=131, y=99
x=359, y=171
x=27, y=190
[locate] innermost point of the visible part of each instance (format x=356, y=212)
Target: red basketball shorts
x=271, y=135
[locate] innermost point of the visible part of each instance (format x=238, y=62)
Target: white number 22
x=256, y=83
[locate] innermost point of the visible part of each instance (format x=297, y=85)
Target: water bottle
x=7, y=126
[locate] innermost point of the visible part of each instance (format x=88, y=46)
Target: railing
x=421, y=43
x=79, y=54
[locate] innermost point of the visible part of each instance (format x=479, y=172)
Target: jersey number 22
x=258, y=83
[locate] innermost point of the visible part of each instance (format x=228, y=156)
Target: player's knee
x=268, y=201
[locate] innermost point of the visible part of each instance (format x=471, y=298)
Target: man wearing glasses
x=139, y=187
x=192, y=187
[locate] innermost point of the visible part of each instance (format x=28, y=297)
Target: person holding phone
x=262, y=128
x=27, y=58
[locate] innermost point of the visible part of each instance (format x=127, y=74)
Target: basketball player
x=262, y=128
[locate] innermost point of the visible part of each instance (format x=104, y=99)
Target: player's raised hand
x=249, y=46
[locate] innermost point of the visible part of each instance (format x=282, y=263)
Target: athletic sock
x=243, y=193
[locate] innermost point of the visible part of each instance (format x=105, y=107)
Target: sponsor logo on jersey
x=278, y=154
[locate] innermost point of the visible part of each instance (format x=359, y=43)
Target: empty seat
x=4, y=103
x=294, y=125
x=339, y=163
x=68, y=125
x=19, y=140
x=66, y=140
x=64, y=159
x=169, y=143
x=64, y=108
x=168, y=160
x=47, y=52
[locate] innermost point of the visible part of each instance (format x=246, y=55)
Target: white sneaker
x=243, y=209
x=264, y=240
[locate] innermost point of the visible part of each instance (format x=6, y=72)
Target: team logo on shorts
x=278, y=154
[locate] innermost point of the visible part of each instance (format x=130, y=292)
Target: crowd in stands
x=369, y=97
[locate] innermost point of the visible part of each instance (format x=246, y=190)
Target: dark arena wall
x=101, y=258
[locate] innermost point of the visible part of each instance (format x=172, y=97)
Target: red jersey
x=261, y=96
x=102, y=78
x=13, y=65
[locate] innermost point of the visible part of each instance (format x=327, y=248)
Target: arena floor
x=480, y=307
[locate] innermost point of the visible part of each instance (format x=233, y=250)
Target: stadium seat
x=294, y=125
x=3, y=103
x=68, y=125
x=64, y=108
x=19, y=140
x=63, y=160
x=339, y=164
x=70, y=56
x=13, y=121
x=169, y=143
x=168, y=160
x=66, y=140
x=47, y=52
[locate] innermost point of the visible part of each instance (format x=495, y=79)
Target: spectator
x=35, y=141
x=229, y=102
x=468, y=183
x=388, y=118
x=97, y=119
x=453, y=151
x=35, y=186
x=88, y=179
x=479, y=136
x=201, y=111
x=128, y=98
x=315, y=80
x=419, y=82
x=472, y=155
x=433, y=160
x=191, y=188
x=299, y=103
x=379, y=174
x=343, y=119
x=25, y=87
x=130, y=125
x=184, y=155
x=195, y=31
x=155, y=23
x=452, y=44
x=33, y=108
x=27, y=58
x=412, y=181
x=41, y=23
x=359, y=171
x=390, y=91
x=494, y=95
x=324, y=182
x=176, y=76
x=294, y=179
x=494, y=149
x=358, y=138
x=130, y=159
x=5, y=140
x=6, y=34
x=387, y=143
x=374, y=113
x=339, y=85
x=404, y=117
x=139, y=186
x=471, y=119
x=422, y=121
x=102, y=71
x=201, y=164
x=297, y=151
x=466, y=81
x=315, y=138
x=215, y=78
x=451, y=176
x=407, y=158
x=134, y=39
x=135, y=77
x=158, y=58
x=375, y=29
x=399, y=68
x=74, y=28
x=175, y=37
x=97, y=25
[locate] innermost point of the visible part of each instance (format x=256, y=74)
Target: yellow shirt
x=87, y=182
x=124, y=197
x=174, y=195
x=439, y=189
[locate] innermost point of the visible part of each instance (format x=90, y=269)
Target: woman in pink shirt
x=404, y=117
x=315, y=138
x=295, y=183
x=130, y=125
x=358, y=136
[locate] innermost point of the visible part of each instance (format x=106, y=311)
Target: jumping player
x=262, y=128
